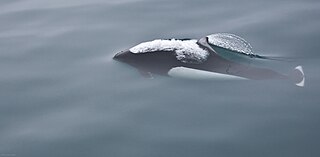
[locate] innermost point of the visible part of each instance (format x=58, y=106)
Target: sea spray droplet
x=230, y=42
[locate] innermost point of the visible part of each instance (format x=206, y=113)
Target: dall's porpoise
x=219, y=56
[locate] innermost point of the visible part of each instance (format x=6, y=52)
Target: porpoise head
x=158, y=62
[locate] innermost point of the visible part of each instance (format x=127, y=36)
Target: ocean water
x=62, y=94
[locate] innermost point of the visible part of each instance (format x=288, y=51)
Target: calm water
x=61, y=94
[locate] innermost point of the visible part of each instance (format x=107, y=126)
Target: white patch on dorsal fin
x=231, y=42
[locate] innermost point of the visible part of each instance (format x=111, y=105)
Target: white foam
x=187, y=51
x=231, y=42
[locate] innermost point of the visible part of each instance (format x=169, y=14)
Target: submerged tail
x=297, y=76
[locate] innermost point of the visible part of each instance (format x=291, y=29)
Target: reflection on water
x=63, y=95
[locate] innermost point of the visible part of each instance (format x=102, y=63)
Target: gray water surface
x=61, y=94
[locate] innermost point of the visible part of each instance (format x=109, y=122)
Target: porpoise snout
x=122, y=54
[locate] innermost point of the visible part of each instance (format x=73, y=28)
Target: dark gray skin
x=162, y=61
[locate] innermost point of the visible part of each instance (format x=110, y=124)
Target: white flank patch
x=189, y=73
x=231, y=42
x=187, y=51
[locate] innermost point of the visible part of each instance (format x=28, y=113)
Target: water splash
x=230, y=42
